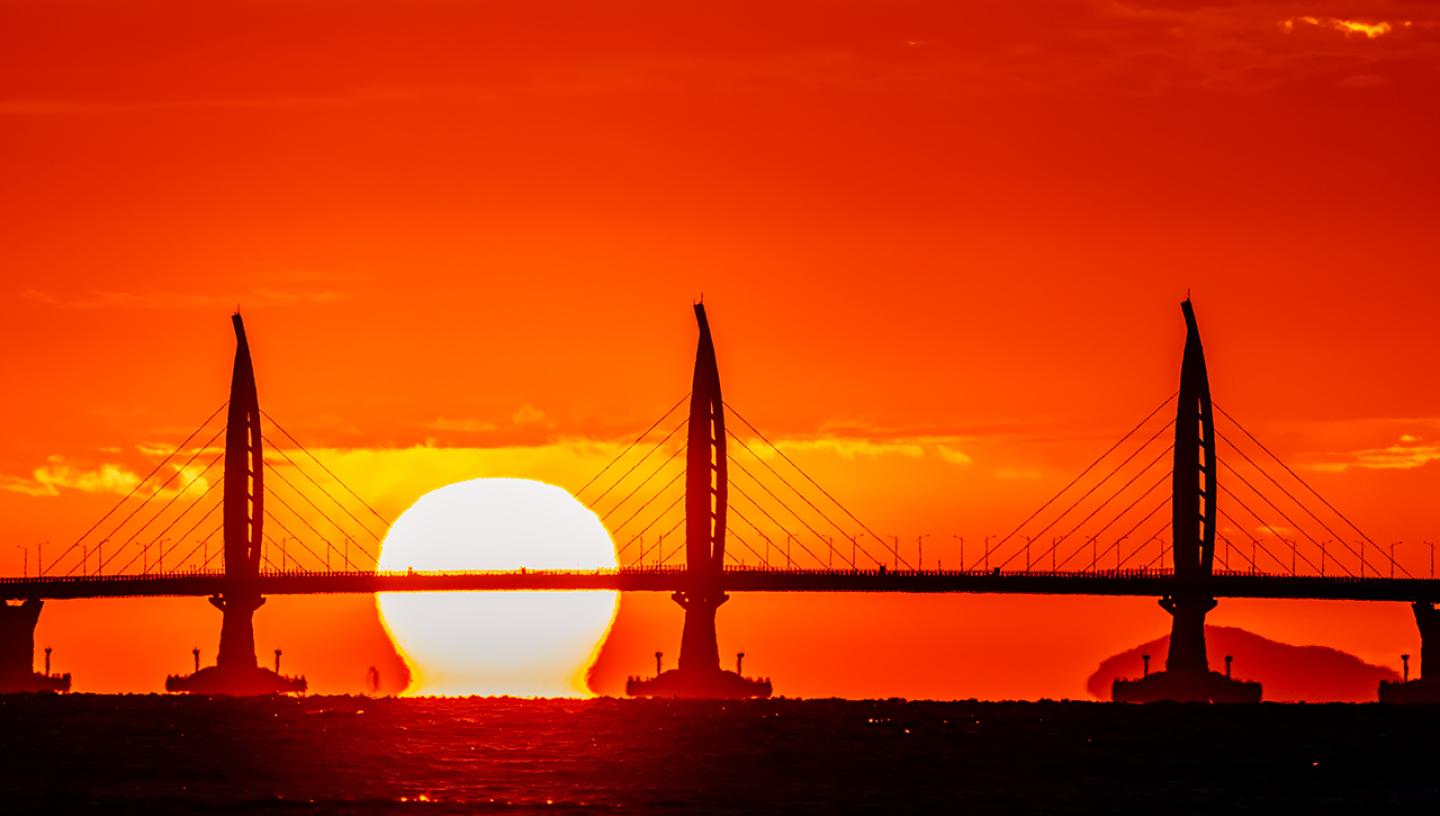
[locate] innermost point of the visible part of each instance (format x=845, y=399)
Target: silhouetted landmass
x=1289, y=673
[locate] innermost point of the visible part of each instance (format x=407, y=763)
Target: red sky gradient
x=466, y=238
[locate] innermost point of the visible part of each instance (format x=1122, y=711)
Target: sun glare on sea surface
x=528, y=644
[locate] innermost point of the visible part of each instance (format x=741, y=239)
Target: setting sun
x=526, y=644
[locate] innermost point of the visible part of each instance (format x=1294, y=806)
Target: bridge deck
x=1142, y=583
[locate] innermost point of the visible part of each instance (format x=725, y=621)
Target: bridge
x=1143, y=583
x=1282, y=539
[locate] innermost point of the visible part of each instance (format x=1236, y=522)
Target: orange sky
x=466, y=239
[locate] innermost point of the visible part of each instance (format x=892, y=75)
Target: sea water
x=159, y=754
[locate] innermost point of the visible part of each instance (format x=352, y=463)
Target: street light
x=962, y=549
x=25, y=560
x=920, y=551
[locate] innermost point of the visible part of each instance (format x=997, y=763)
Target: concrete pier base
x=679, y=683
x=1185, y=687
x=235, y=682
x=17, y=651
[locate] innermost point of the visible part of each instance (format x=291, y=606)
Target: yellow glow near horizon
x=525, y=644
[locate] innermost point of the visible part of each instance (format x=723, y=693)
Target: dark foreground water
x=357, y=755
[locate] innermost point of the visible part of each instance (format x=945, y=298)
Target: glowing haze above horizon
x=941, y=246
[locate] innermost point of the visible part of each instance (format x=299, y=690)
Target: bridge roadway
x=1140, y=583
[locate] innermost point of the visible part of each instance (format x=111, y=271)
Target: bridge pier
x=699, y=674
x=1187, y=677
x=236, y=671
x=1422, y=689
x=17, y=650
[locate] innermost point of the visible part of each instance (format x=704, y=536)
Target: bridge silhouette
x=1096, y=536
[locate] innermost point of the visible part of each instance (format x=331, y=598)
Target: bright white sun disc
x=529, y=644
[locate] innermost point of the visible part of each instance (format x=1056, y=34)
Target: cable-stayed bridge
x=1187, y=506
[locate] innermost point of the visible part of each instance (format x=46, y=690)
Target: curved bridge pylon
x=236, y=671
x=1187, y=675
x=706, y=505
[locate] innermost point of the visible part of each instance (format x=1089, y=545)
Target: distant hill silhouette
x=1289, y=673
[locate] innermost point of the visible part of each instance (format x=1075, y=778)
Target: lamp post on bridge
x=962, y=549
x=1322, y=557
x=1392, y=557
x=160, y=555
x=789, y=562
x=40, y=558
x=24, y=560
x=920, y=551
x=854, y=549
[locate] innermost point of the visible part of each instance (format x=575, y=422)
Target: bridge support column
x=17, y=650
x=1422, y=689
x=699, y=644
x=237, y=630
x=1187, y=676
x=1187, y=633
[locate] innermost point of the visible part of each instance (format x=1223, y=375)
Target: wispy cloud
x=1368, y=29
x=50, y=479
x=58, y=474
x=460, y=425
x=1408, y=452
